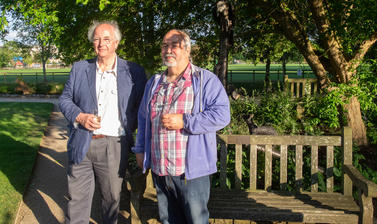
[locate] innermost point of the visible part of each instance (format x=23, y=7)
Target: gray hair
x=95, y=24
x=185, y=37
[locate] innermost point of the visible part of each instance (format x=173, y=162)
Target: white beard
x=170, y=64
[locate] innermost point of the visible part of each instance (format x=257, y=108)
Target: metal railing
x=253, y=76
x=34, y=77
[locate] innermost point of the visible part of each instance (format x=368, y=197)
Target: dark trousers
x=105, y=164
x=182, y=201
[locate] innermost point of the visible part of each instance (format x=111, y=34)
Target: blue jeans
x=182, y=201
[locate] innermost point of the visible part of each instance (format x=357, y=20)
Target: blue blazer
x=79, y=95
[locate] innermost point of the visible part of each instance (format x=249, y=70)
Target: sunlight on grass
x=21, y=130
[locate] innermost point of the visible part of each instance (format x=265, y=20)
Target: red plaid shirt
x=168, y=149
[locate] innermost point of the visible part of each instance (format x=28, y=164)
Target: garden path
x=45, y=199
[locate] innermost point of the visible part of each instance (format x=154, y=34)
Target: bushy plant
x=367, y=95
x=49, y=88
x=322, y=113
x=278, y=110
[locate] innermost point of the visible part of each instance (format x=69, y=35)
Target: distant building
x=19, y=64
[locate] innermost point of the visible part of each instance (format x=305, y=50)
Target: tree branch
x=362, y=50
x=289, y=25
x=332, y=47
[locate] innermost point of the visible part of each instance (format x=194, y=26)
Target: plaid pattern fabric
x=168, y=149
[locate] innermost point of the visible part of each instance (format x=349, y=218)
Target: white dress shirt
x=107, y=99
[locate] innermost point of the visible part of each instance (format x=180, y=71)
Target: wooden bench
x=267, y=199
x=299, y=87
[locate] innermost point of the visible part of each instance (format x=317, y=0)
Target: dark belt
x=98, y=136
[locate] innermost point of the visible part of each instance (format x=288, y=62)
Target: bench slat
x=223, y=166
x=314, y=168
x=282, y=140
x=238, y=167
x=253, y=167
x=299, y=164
x=329, y=169
x=268, y=168
x=283, y=167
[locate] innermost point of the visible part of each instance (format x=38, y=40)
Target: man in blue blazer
x=100, y=101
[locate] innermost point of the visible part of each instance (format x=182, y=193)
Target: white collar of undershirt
x=113, y=70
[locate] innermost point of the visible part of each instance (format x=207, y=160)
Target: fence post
x=231, y=76
x=278, y=75
x=254, y=76
x=36, y=78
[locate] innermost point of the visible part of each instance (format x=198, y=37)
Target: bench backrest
x=267, y=143
x=299, y=87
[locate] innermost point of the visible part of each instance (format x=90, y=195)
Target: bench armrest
x=369, y=188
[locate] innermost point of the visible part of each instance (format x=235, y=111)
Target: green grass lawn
x=34, y=75
x=21, y=130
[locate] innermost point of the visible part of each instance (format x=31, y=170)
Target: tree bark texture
x=356, y=122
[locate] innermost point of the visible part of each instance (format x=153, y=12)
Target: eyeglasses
x=165, y=46
x=105, y=40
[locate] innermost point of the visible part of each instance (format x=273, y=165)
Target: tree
x=36, y=24
x=332, y=35
x=12, y=49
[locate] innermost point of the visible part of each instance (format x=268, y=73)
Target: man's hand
x=139, y=159
x=173, y=121
x=88, y=121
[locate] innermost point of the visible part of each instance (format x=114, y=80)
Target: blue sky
x=12, y=34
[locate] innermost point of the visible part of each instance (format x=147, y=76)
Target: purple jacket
x=210, y=113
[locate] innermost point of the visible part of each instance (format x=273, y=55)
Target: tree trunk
x=221, y=68
x=284, y=65
x=355, y=121
x=267, y=76
x=43, y=59
x=223, y=14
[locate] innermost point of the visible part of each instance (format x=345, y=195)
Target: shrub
x=51, y=88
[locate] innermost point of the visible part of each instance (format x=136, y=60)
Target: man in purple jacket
x=181, y=110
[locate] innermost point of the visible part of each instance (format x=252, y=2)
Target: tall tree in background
x=332, y=35
x=35, y=22
x=224, y=16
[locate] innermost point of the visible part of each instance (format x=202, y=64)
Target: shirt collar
x=113, y=70
x=185, y=76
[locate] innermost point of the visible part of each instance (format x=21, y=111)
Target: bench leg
x=366, y=208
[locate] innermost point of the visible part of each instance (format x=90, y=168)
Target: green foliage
x=321, y=113
x=279, y=110
x=367, y=84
